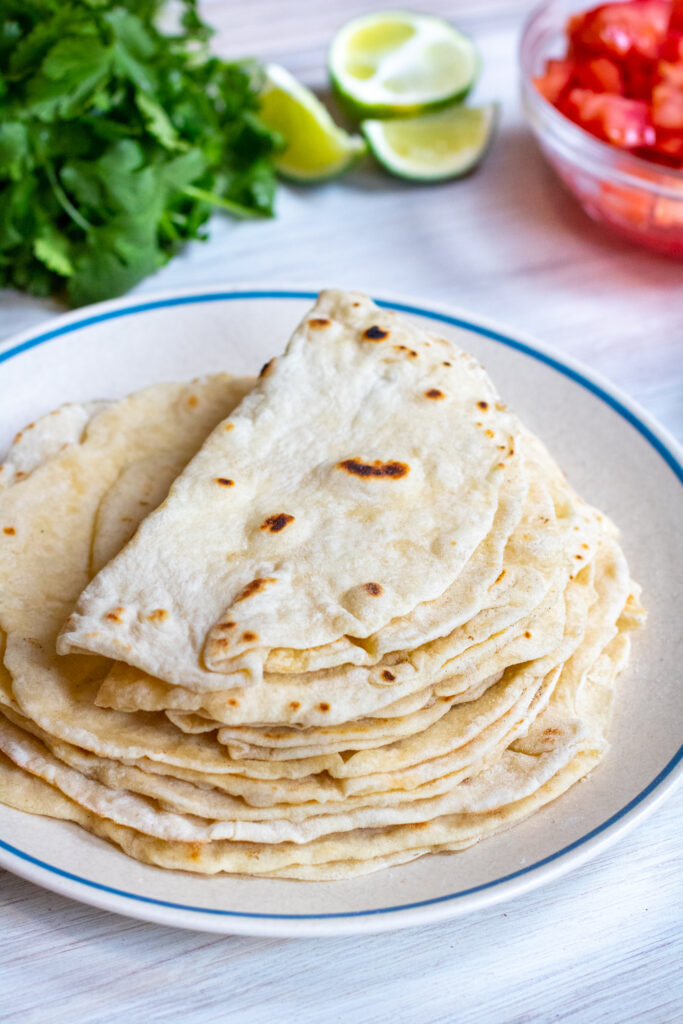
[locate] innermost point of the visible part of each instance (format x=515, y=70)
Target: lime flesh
x=433, y=147
x=398, y=63
x=316, y=148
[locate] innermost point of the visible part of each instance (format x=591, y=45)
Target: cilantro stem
x=64, y=200
x=225, y=204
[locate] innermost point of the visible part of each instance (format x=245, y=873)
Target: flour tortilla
x=535, y=572
x=498, y=701
x=394, y=458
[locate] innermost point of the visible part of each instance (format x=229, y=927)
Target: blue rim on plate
x=556, y=364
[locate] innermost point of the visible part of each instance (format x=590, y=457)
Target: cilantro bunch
x=116, y=140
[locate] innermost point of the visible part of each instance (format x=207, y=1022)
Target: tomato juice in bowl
x=590, y=103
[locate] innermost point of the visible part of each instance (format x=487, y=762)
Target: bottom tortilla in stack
x=477, y=728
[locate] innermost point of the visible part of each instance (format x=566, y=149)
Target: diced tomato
x=676, y=18
x=600, y=74
x=622, y=122
x=670, y=144
x=619, y=29
x=622, y=79
x=672, y=47
x=639, y=76
x=668, y=213
x=667, y=107
x=672, y=74
x=623, y=204
x=556, y=80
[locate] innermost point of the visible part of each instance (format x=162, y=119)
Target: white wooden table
x=602, y=945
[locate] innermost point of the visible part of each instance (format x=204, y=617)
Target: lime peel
x=435, y=147
x=316, y=148
x=399, y=63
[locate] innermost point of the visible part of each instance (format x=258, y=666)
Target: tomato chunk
x=556, y=80
x=676, y=18
x=667, y=107
x=672, y=74
x=619, y=29
x=622, y=122
x=622, y=77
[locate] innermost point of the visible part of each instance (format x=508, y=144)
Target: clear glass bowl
x=638, y=198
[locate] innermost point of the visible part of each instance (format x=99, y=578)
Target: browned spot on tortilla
x=294, y=705
x=500, y=576
x=580, y=557
x=388, y=676
x=500, y=406
x=467, y=781
x=575, y=527
x=277, y=522
x=225, y=481
x=434, y=393
x=319, y=323
x=377, y=468
x=115, y=614
x=143, y=503
x=483, y=405
x=222, y=626
x=228, y=426
x=324, y=706
x=193, y=401
x=489, y=433
x=479, y=424
x=404, y=348
x=446, y=364
x=585, y=546
x=356, y=304
x=375, y=333
x=249, y=637
x=17, y=437
x=222, y=641
x=158, y=615
x=126, y=519
x=254, y=587
x=527, y=634
x=373, y=588
x=502, y=447
x=233, y=702
x=552, y=731
x=266, y=368
x=9, y=530
x=195, y=851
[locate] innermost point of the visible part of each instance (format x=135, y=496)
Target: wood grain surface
x=603, y=944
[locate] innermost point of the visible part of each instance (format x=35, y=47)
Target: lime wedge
x=398, y=63
x=316, y=148
x=434, y=147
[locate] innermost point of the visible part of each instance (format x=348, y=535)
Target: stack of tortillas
x=306, y=626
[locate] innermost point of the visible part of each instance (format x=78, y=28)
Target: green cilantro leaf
x=116, y=143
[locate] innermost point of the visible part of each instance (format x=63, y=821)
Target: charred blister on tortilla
x=277, y=522
x=375, y=333
x=255, y=587
x=377, y=468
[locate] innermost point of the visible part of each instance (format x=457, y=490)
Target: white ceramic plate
x=612, y=451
